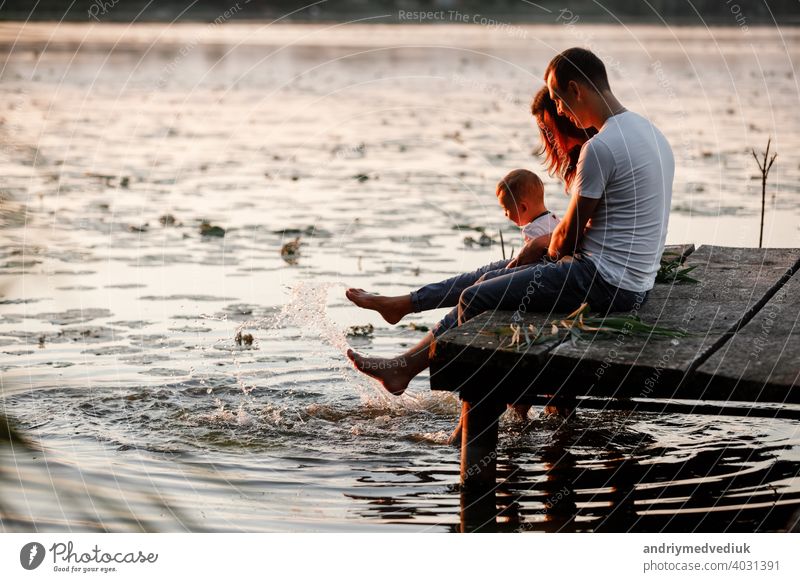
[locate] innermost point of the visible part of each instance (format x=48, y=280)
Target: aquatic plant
x=579, y=322
x=167, y=220
x=207, y=229
x=310, y=230
x=671, y=272
x=483, y=241
x=764, y=166
x=416, y=327
x=291, y=250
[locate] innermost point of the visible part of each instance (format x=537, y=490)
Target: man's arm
x=567, y=235
x=531, y=252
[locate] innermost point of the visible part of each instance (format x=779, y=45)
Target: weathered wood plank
x=475, y=354
x=761, y=362
x=732, y=285
x=732, y=282
x=478, y=354
x=673, y=252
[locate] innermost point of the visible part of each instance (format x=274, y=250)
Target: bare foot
x=393, y=373
x=392, y=309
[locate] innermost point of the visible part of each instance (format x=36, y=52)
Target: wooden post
x=479, y=425
x=479, y=512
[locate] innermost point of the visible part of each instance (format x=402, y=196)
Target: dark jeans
x=540, y=287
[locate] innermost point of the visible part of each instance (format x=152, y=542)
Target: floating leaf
x=417, y=327
x=207, y=229
x=360, y=330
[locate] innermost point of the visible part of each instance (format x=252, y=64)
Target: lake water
x=372, y=144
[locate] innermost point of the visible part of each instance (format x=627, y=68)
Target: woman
x=561, y=144
x=561, y=139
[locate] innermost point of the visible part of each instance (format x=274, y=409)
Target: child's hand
x=532, y=252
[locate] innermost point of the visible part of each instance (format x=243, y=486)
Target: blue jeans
x=447, y=293
x=540, y=287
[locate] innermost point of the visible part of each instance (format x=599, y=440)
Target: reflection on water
x=118, y=333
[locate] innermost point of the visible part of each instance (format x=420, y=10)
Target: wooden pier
x=740, y=344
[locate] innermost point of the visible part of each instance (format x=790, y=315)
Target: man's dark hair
x=580, y=65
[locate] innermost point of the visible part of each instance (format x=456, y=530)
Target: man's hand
x=532, y=252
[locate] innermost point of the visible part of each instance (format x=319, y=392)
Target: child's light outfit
x=543, y=224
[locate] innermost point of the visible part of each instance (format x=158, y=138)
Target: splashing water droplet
x=307, y=309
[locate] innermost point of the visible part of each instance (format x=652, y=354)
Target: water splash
x=307, y=310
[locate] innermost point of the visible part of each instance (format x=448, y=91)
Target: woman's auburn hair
x=559, y=163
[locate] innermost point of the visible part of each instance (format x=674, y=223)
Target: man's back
x=628, y=165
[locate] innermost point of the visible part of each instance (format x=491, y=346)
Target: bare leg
x=395, y=373
x=431, y=296
x=455, y=438
x=392, y=309
x=520, y=410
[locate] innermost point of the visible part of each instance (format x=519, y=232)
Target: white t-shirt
x=539, y=226
x=629, y=166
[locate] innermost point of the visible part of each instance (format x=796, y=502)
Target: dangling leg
x=395, y=373
x=432, y=296
x=392, y=309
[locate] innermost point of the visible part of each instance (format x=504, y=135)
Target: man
x=624, y=179
x=607, y=248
